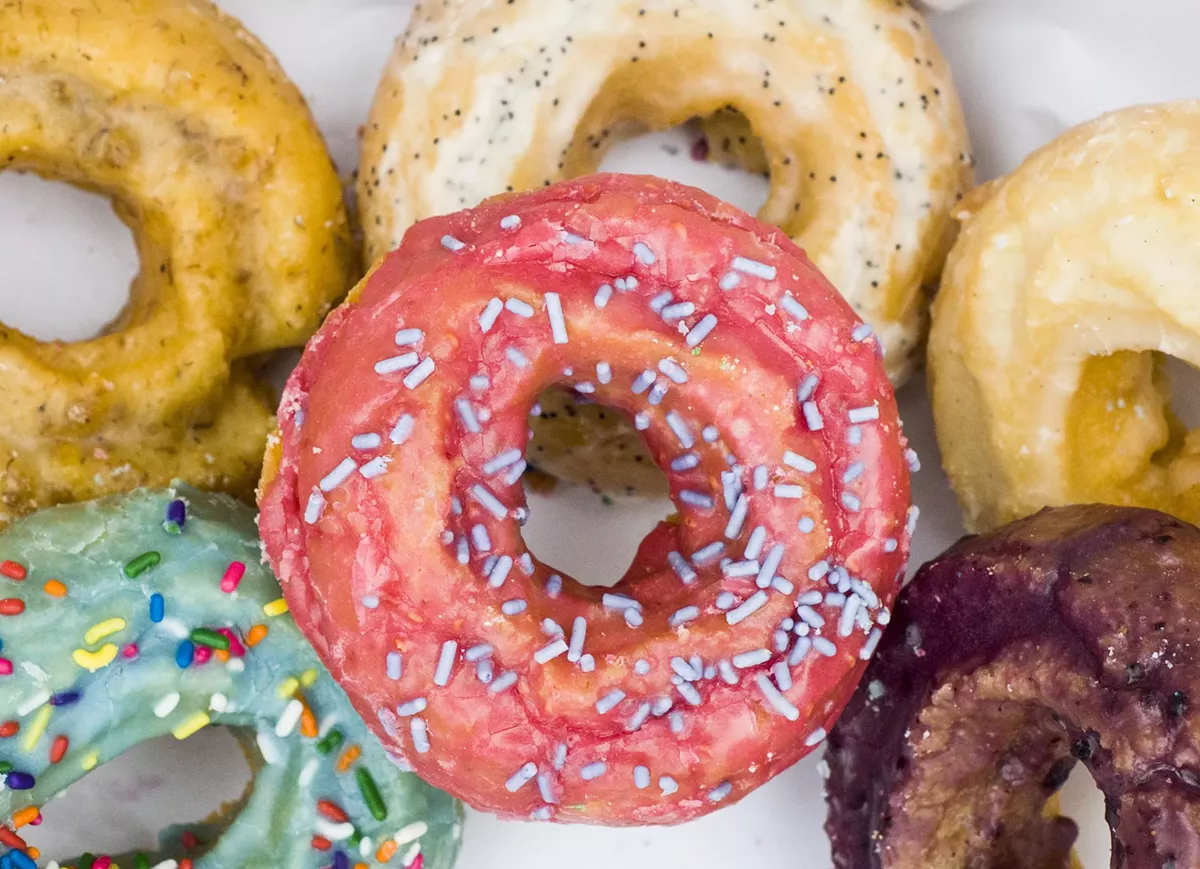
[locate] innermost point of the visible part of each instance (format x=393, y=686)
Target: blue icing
x=104, y=699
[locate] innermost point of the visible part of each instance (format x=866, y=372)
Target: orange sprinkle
x=415, y=617
x=27, y=815
x=33, y=852
x=348, y=757
x=332, y=811
x=221, y=655
x=360, y=866
x=257, y=634
x=185, y=863
x=54, y=588
x=308, y=723
x=58, y=748
x=9, y=729
x=321, y=843
x=12, y=570
x=386, y=851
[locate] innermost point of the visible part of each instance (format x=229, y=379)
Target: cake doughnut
x=392, y=508
x=151, y=613
x=860, y=127
x=214, y=162
x=1066, y=636
x=1078, y=267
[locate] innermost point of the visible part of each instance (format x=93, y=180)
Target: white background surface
x=1027, y=69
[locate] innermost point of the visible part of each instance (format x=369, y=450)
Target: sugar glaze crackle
x=392, y=506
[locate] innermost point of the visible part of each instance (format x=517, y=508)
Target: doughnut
x=848, y=106
x=1068, y=636
x=1077, y=267
x=151, y=613
x=214, y=162
x=391, y=508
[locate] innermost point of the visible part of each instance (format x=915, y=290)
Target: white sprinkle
x=462, y=552
x=720, y=792
x=521, y=777
x=806, y=525
x=710, y=434
x=807, y=387
x=678, y=311
x=572, y=238
x=745, y=660
x=402, y=430
x=761, y=477
x=490, y=314
x=725, y=600
x=333, y=832
x=420, y=735
x=377, y=467
x=466, y=415
x=799, y=462
x=846, y=621
x=268, y=749
x=781, y=585
x=396, y=363
x=513, y=607
x=451, y=243
x=603, y=294
x=673, y=370
x=685, y=462
x=810, y=616
x=737, y=517
x=593, y=770
x=315, y=507
x=818, y=570
x=633, y=618
x=685, y=670
x=395, y=665
x=658, y=393
x=681, y=429
x=701, y=330
x=478, y=652
x=642, y=251
x=604, y=372
x=641, y=777
x=689, y=693
x=419, y=374
x=863, y=414
x=641, y=421
x=861, y=332
x=912, y=460
x=799, y=650
x=658, y=302
x=641, y=666
x=490, y=502
x=338, y=475
x=816, y=737
x=619, y=602
x=519, y=307
x=682, y=569
x=798, y=312
x=811, y=598
x=868, y=648
x=289, y=719
x=546, y=788
x=525, y=562
x=853, y=472
x=642, y=382
x=789, y=491
x=609, y=701
x=708, y=553
x=512, y=221
x=854, y=435
x=695, y=499
x=503, y=682
x=754, y=268
x=499, y=572
x=824, y=646
x=668, y=785
x=480, y=538
x=445, y=664
x=812, y=416
x=587, y=663
x=626, y=284
x=550, y=652
x=738, y=569
x=515, y=473
x=166, y=705
x=730, y=280
x=505, y=459
x=783, y=676
x=776, y=700
x=578, y=635
x=684, y=615
x=408, y=337
x=910, y=519
x=851, y=502
x=366, y=441
x=770, y=565
x=554, y=585
x=754, y=546
x=747, y=607
x=411, y=833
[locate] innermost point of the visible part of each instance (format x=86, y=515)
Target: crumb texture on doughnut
x=393, y=504
x=151, y=613
x=1069, y=636
x=212, y=159
x=1070, y=283
x=861, y=129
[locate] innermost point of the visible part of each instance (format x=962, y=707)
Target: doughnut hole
x=1082, y=801
x=1127, y=443
x=51, y=235
x=123, y=805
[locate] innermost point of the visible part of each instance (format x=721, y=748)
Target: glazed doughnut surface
x=1069, y=282
x=863, y=134
x=392, y=511
x=212, y=159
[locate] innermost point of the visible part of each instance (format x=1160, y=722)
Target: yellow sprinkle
x=197, y=722
x=37, y=726
x=276, y=607
x=106, y=628
x=93, y=661
x=308, y=677
x=90, y=761
x=288, y=687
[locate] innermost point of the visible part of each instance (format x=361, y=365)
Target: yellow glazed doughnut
x=213, y=160
x=1063, y=295
x=859, y=121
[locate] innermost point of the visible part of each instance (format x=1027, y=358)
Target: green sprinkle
x=370, y=793
x=171, y=528
x=355, y=838
x=606, y=500
x=86, y=861
x=140, y=565
x=210, y=638
x=140, y=860
x=695, y=351
x=330, y=741
x=5, y=767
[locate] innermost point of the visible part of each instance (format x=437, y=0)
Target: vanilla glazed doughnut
x=151, y=613
x=860, y=127
x=1071, y=281
x=392, y=507
x=1066, y=637
x=214, y=162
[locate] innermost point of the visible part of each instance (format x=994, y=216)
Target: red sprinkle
x=13, y=570
x=6, y=667
x=188, y=839
x=185, y=863
x=58, y=748
x=233, y=575
x=11, y=839
x=417, y=863
x=130, y=651
x=102, y=863
x=321, y=843
x=235, y=645
x=202, y=655
x=332, y=811
x=9, y=729
x=11, y=606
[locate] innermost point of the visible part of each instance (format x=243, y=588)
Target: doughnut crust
x=1068, y=636
x=392, y=508
x=1071, y=281
x=213, y=160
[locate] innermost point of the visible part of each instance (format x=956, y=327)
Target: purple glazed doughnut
x=1066, y=637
